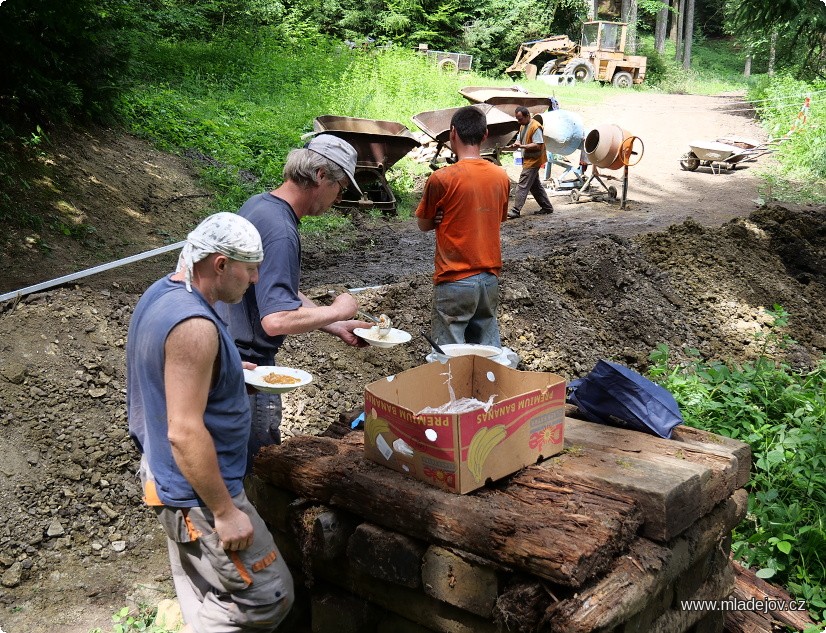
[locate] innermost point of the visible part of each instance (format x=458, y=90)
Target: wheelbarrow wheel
x=689, y=161
x=574, y=195
x=448, y=65
x=612, y=192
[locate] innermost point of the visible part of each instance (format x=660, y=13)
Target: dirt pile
x=71, y=504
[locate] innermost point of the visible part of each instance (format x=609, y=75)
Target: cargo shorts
x=223, y=591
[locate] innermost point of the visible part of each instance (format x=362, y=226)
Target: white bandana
x=225, y=233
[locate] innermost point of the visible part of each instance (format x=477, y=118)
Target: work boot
x=513, y=214
x=545, y=211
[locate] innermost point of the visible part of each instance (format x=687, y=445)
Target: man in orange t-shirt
x=466, y=203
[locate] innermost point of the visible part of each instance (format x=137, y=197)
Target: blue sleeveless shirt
x=227, y=417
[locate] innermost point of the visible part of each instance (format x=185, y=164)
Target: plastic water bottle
x=517, y=157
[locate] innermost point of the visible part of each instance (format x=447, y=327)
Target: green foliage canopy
x=800, y=26
x=60, y=58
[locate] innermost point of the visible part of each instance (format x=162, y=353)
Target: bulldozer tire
x=448, y=66
x=623, y=80
x=548, y=68
x=689, y=162
x=580, y=69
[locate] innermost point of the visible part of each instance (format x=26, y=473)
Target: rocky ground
x=689, y=263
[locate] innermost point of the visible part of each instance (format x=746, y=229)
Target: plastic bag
x=616, y=395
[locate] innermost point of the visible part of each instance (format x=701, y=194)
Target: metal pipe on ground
x=17, y=294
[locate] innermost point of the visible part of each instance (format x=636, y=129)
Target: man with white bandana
x=315, y=178
x=189, y=416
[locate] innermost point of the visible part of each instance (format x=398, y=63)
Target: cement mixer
x=564, y=134
x=609, y=147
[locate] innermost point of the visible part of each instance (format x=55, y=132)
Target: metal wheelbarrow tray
x=506, y=99
x=722, y=153
x=379, y=145
x=501, y=128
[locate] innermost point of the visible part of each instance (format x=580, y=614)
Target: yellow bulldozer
x=599, y=56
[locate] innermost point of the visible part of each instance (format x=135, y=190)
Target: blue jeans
x=464, y=311
x=266, y=418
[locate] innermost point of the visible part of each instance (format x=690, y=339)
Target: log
x=713, y=443
x=563, y=532
x=674, y=481
x=410, y=604
x=331, y=533
x=750, y=587
x=647, y=569
x=715, y=588
x=464, y=583
x=387, y=555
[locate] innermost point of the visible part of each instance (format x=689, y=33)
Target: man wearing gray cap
x=189, y=416
x=315, y=178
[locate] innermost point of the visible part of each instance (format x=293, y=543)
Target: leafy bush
x=60, y=59
x=780, y=413
x=801, y=149
x=134, y=621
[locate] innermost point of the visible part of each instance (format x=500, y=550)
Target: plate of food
x=272, y=379
x=374, y=337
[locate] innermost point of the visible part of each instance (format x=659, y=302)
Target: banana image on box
x=374, y=426
x=481, y=444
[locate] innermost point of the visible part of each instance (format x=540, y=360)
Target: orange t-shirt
x=472, y=196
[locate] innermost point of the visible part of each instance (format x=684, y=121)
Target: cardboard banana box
x=459, y=452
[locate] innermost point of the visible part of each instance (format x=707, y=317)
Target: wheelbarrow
x=436, y=125
x=379, y=145
x=723, y=153
x=506, y=99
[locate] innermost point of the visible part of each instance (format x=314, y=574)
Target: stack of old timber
x=613, y=535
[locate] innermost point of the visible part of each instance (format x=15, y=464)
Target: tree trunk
x=747, y=68
x=678, y=53
x=675, y=22
x=772, y=51
x=660, y=28
x=631, y=42
x=593, y=10
x=689, y=33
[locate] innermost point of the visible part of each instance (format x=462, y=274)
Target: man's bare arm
x=309, y=316
x=191, y=351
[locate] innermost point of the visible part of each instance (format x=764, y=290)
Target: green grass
x=246, y=115
x=780, y=413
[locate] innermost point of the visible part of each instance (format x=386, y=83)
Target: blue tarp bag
x=619, y=396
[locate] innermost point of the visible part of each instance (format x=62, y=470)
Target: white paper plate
x=371, y=335
x=255, y=378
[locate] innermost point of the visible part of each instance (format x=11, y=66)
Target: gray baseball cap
x=339, y=151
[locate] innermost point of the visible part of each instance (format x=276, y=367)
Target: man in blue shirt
x=189, y=416
x=315, y=178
